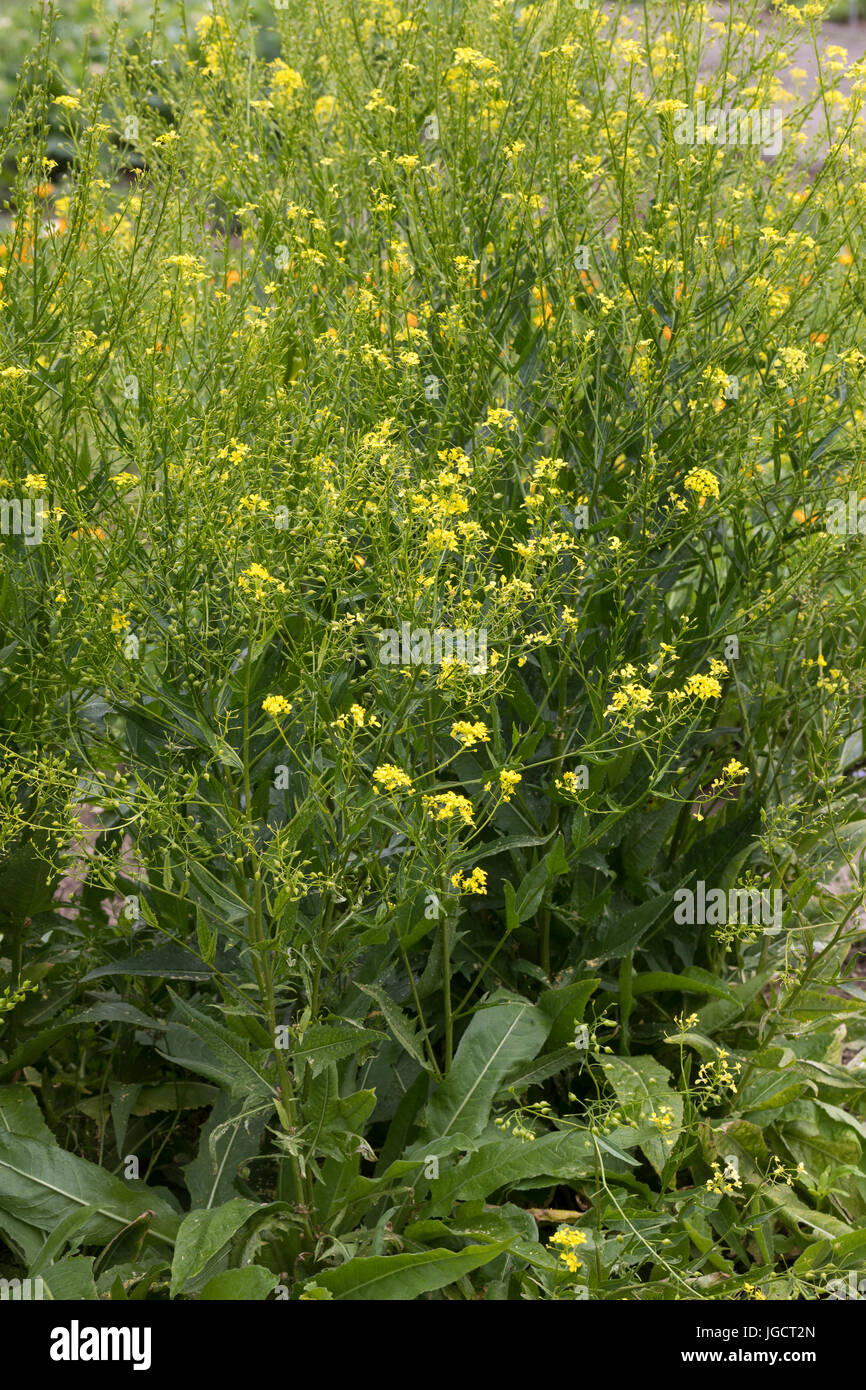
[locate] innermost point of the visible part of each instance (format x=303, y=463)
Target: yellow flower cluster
x=360, y=718
x=446, y=805
x=702, y=482
x=704, y=687
x=716, y=1076
x=468, y=734
x=725, y=1184
x=255, y=578
x=476, y=882
x=276, y=704
x=568, y=1239
x=569, y=782
x=391, y=778
x=508, y=783
x=633, y=699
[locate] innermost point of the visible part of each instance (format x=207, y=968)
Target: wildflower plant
x=319, y=327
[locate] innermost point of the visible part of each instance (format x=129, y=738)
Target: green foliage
x=336, y=963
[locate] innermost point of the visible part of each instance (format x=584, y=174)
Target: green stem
x=446, y=992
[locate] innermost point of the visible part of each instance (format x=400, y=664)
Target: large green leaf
x=498, y=1039
x=204, y=1235
x=570, y=1156
x=252, y=1283
x=41, y=1184
x=405, y=1277
x=71, y=1280
x=163, y=962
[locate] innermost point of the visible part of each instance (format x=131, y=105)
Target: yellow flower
x=288, y=80
x=276, y=704
x=701, y=481
x=325, y=107
x=705, y=687
x=568, y=1239
x=476, y=882
x=508, y=782
x=391, y=777
x=734, y=769
x=469, y=735
x=255, y=578
x=446, y=805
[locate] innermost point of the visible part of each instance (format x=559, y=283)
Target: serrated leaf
x=324, y=1043
x=399, y=1025
x=232, y=1066
x=164, y=963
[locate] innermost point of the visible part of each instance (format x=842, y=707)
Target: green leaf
x=60, y=1237
x=20, y=1114
x=324, y=1043
x=643, y=1088
x=570, y=1155
x=613, y=939
x=497, y=1040
x=695, y=981
x=405, y=1277
x=532, y=888
x=71, y=1279
x=399, y=1025
x=164, y=963
x=801, y=1219
x=231, y=1065
x=41, y=1183
x=547, y=1065
x=565, y=1007
x=227, y=1140
x=116, y=1011
x=203, y=1235
x=250, y=1284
